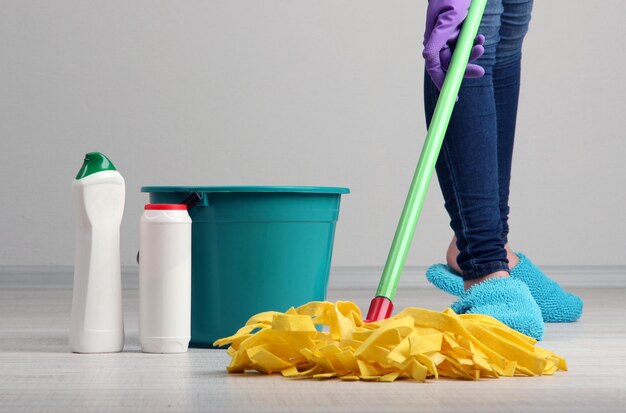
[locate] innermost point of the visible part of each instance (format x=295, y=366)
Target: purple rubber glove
x=443, y=25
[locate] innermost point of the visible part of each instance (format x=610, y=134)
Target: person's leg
x=514, y=23
x=506, y=74
x=555, y=304
x=453, y=253
x=467, y=167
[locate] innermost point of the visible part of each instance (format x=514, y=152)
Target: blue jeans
x=474, y=166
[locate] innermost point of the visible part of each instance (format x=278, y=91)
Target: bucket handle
x=192, y=199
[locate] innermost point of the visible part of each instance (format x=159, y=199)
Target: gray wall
x=297, y=93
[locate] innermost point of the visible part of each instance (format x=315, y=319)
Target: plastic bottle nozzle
x=95, y=162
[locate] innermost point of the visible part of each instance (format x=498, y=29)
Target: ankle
x=453, y=253
x=451, y=256
x=511, y=256
x=498, y=274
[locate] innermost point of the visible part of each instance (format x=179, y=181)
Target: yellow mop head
x=417, y=344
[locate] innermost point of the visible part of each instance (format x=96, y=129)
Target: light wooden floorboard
x=37, y=372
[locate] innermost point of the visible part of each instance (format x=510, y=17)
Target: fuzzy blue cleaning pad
x=557, y=305
x=506, y=299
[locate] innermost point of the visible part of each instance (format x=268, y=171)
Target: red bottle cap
x=161, y=207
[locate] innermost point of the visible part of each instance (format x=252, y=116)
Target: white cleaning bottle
x=98, y=194
x=165, y=279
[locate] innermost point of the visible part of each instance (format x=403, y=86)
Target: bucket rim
x=272, y=188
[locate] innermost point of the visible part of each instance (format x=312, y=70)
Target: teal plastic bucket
x=254, y=249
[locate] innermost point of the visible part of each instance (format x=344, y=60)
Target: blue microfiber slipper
x=557, y=305
x=443, y=277
x=506, y=299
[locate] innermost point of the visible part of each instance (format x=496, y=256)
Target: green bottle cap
x=95, y=162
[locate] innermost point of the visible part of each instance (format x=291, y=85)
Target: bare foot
x=453, y=253
x=470, y=283
x=511, y=256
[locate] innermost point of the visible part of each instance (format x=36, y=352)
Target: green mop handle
x=432, y=144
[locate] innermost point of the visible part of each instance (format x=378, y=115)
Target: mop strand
x=414, y=344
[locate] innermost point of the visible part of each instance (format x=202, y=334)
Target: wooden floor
x=38, y=373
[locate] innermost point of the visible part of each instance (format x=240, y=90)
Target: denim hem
x=482, y=270
x=505, y=238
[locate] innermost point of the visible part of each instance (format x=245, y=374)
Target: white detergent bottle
x=165, y=279
x=98, y=194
